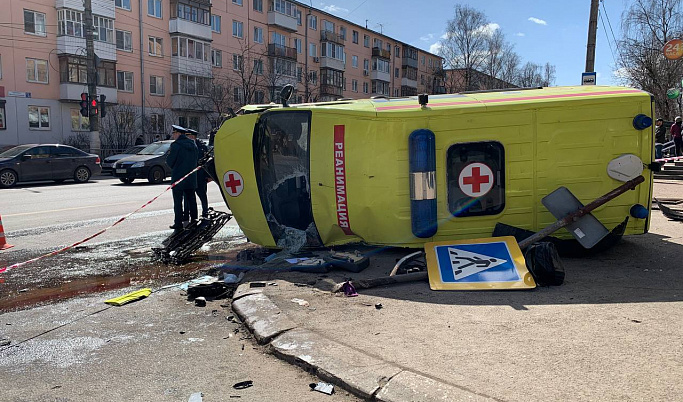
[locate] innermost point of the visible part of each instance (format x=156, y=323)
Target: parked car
x=56, y=162
x=150, y=164
x=109, y=160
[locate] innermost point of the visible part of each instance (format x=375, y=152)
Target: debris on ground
x=243, y=384
x=130, y=297
x=378, y=306
x=671, y=213
x=5, y=341
x=300, y=302
x=200, y=301
x=323, y=387
x=257, y=284
x=196, y=397
x=215, y=289
x=349, y=290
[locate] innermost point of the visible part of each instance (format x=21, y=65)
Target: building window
x=396, y=70
x=125, y=4
x=298, y=17
x=191, y=13
x=70, y=23
x=279, y=39
x=124, y=81
x=34, y=23
x=354, y=37
x=78, y=122
x=216, y=58
x=238, y=2
x=423, y=60
x=284, y=67
x=342, y=32
x=365, y=87
x=36, y=71
x=258, y=35
x=299, y=74
x=258, y=5
x=354, y=61
x=313, y=50
x=190, y=48
x=333, y=51
x=237, y=29
x=73, y=70
x=366, y=41
x=156, y=47
x=156, y=85
x=259, y=96
x=39, y=117
x=157, y=122
x=124, y=40
x=216, y=23
x=380, y=87
x=237, y=94
x=237, y=62
x=284, y=7
x=3, y=125
x=258, y=67
x=103, y=29
x=354, y=85
x=377, y=43
x=313, y=77
x=297, y=45
x=189, y=85
x=313, y=22
x=380, y=65
x=397, y=51
x=366, y=64
x=154, y=8
x=106, y=74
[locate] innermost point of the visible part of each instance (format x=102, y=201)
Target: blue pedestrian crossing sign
x=480, y=264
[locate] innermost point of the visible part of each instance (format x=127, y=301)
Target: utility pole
x=92, y=76
x=306, y=45
x=592, y=32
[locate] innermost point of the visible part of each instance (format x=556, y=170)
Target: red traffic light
x=93, y=103
x=84, y=96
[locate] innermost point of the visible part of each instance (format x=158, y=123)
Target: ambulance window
x=475, y=172
x=281, y=163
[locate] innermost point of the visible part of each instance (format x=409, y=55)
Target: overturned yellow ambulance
x=393, y=171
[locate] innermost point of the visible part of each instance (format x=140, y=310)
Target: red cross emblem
x=233, y=183
x=476, y=179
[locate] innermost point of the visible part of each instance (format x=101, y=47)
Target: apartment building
x=163, y=62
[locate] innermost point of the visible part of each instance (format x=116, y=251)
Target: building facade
x=163, y=62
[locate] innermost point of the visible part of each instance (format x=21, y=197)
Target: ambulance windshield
x=281, y=163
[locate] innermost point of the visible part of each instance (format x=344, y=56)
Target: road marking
x=72, y=209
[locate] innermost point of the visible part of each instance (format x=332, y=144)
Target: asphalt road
x=45, y=215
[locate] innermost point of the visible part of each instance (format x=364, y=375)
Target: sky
x=541, y=31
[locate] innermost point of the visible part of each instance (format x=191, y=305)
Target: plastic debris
x=203, y=279
x=323, y=387
x=232, y=278
x=300, y=302
x=200, y=301
x=378, y=306
x=243, y=384
x=130, y=297
x=196, y=397
x=349, y=289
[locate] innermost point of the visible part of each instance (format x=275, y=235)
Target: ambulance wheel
x=544, y=264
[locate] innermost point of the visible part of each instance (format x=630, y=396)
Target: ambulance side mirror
x=286, y=93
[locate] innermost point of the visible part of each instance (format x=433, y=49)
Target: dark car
x=110, y=160
x=33, y=162
x=150, y=164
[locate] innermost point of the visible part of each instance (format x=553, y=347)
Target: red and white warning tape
x=675, y=158
x=19, y=264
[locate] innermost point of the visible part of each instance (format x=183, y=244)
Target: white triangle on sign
x=466, y=263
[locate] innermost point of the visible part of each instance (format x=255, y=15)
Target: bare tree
x=464, y=46
x=647, y=25
x=509, y=68
x=120, y=128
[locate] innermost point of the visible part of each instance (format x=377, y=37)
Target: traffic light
x=93, y=106
x=103, y=111
x=84, y=105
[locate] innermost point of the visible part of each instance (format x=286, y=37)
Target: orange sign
x=673, y=49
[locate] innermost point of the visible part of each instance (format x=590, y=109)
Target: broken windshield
x=281, y=163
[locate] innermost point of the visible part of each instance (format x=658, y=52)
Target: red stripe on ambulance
x=340, y=180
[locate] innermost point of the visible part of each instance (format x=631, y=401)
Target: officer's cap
x=179, y=129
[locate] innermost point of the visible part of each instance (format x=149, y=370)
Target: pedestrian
x=202, y=177
x=660, y=138
x=676, y=135
x=182, y=159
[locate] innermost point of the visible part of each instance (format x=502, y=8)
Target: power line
x=607, y=37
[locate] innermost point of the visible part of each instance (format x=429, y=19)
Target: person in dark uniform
x=202, y=176
x=182, y=159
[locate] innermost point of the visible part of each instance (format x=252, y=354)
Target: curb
x=363, y=375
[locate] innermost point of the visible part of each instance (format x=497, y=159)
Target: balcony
x=76, y=46
x=69, y=91
x=335, y=64
x=196, y=67
x=409, y=62
x=275, y=50
x=380, y=75
x=283, y=21
x=191, y=103
x=407, y=82
x=330, y=90
x=189, y=28
x=104, y=8
x=408, y=91
x=379, y=52
x=330, y=36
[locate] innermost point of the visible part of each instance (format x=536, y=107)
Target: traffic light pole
x=92, y=76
